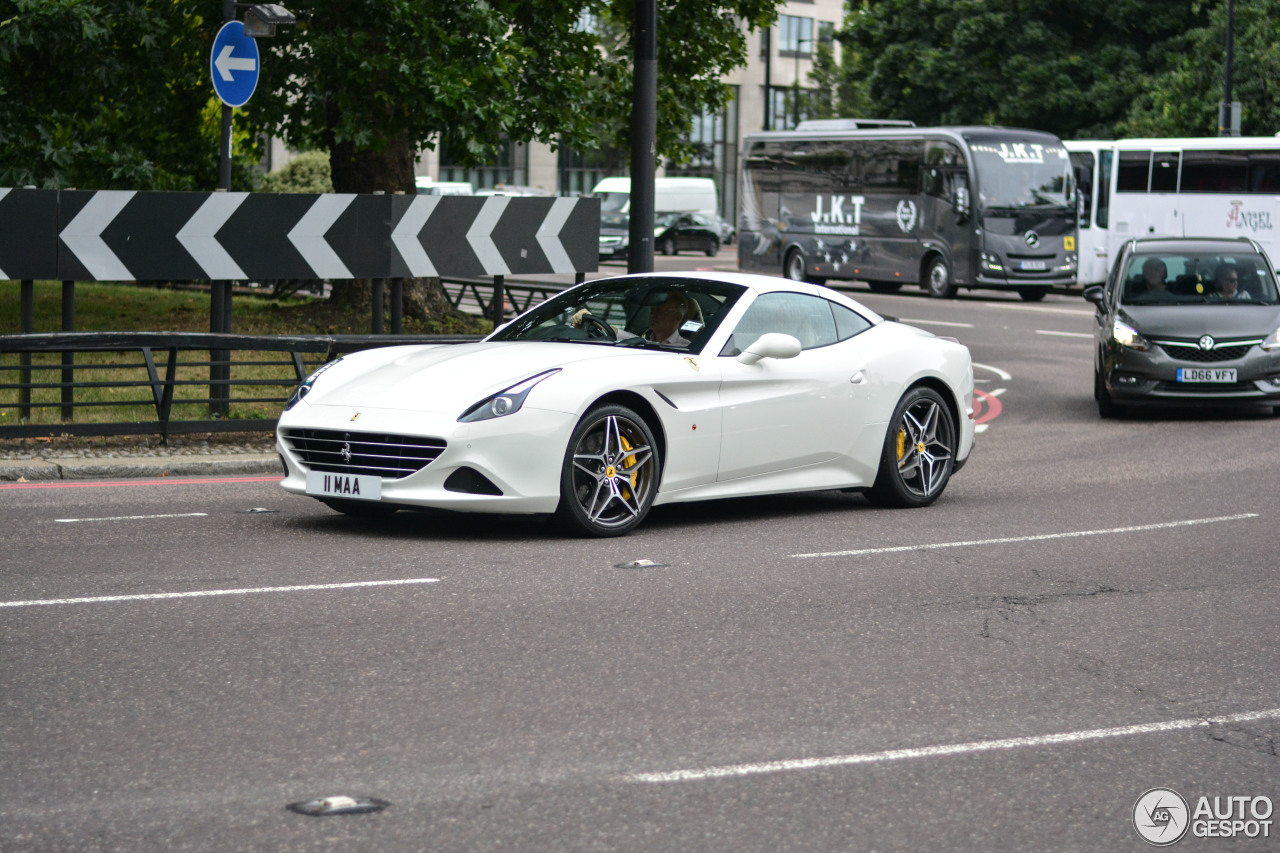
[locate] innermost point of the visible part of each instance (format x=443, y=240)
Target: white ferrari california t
x=624, y=393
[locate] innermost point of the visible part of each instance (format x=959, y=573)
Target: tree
x=1071, y=67
x=1182, y=99
x=374, y=82
x=109, y=94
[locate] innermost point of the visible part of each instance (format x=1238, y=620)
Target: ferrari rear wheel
x=919, y=451
x=610, y=472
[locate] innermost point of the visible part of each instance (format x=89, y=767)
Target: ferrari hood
x=449, y=379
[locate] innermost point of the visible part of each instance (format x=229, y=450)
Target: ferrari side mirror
x=771, y=345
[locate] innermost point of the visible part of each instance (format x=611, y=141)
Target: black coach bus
x=942, y=207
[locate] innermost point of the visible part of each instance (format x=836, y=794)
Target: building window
x=795, y=36
x=826, y=32
x=580, y=171
x=510, y=166
x=786, y=107
x=715, y=140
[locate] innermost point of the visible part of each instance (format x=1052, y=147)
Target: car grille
x=1190, y=351
x=1208, y=389
x=342, y=452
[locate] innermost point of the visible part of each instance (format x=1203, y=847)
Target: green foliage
x=107, y=94
x=1182, y=99
x=1072, y=67
x=306, y=173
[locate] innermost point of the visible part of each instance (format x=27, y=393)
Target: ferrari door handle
x=859, y=377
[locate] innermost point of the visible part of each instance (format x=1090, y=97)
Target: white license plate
x=1033, y=265
x=356, y=487
x=1206, y=374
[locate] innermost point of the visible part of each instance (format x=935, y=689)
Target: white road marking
x=996, y=392
x=1005, y=375
x=206, y=593
x=980, y=428
x=134, y=517
x=1064, y=334
x=947, y=749
x=937, y=323
x=1042, y=310
x=1138, y=528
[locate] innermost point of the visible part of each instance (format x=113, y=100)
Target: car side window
x=808, y=319
x=848, y=323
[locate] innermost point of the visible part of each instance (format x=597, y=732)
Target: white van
x=670, y=195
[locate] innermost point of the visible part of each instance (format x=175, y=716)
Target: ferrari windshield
x=1177, y=278
x=663, y=312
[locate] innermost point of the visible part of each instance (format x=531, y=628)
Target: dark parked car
x=672, y=232
x=1187, y=322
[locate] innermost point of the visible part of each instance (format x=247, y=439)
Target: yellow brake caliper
x=902, y=444
x=628, y=462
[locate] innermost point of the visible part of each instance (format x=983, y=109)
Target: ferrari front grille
x=377, y=454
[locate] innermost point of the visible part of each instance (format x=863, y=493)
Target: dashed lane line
x=134, y=517
x=1064, y=334
x=1041, y=537
x=207, y=593
x=944, y=750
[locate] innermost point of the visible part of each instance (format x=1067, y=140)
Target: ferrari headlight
x=1272, y=342
x=1127, y=336
x=504, y=402
x=304, y=388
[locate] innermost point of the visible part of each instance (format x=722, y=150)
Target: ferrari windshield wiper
x=639, y=341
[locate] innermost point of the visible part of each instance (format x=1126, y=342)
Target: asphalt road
x=1091, y=611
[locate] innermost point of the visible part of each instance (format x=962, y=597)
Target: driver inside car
x=665, y=320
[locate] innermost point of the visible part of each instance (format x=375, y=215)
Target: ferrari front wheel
x=919, y=451
x=610, y=472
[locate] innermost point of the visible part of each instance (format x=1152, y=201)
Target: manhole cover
x=322, y=806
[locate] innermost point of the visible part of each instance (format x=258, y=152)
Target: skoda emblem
x=346, y=452
x=1206, y=343
x=1033, y=239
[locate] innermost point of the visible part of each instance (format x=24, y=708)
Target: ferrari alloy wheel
x=610, y=472
x=937, y=278
x=919, y=451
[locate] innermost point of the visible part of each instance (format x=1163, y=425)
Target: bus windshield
x=1014, y=174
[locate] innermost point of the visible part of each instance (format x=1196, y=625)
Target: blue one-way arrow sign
x=234, y=64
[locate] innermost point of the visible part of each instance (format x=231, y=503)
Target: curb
x=43, y=470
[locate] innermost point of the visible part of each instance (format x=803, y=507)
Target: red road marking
x=77, y=484
x=991, y=406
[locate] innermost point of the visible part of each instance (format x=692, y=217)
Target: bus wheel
x=795, y=266
x=1031, y=294
x=885, y=286
x=937, y=278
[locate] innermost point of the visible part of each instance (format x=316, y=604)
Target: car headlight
x=1127, y=336
x=306, y=385
x=504, y=402
x=1272, y=342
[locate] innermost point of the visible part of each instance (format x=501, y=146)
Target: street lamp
x=262, y=19
x=795, y=100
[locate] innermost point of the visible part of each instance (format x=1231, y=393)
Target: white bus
x=1206, y=187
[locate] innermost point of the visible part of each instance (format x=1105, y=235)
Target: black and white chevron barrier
x=114, y=235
